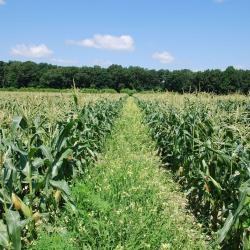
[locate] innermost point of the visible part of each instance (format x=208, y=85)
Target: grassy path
x=126, y=201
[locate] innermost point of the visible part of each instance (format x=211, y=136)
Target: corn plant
x=39, y=159
x=206, y=145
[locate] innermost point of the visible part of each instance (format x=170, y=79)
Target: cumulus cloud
x=108, y=42
x=163, y=57
x=2, y=2
x=31, y=51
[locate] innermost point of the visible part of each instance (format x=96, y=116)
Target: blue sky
x=168, y=34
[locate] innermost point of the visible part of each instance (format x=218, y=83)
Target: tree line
x=15, y=74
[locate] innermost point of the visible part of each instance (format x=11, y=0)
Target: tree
x=2, y=65
x=53, y=78
x=29, y=74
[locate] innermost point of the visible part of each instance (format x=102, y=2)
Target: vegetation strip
x=126, y=201
x=38, y=161
x=210, y=162
x=45, y=77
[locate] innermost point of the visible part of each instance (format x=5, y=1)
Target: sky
x=155, y=34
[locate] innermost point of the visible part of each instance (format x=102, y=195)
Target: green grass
x=126, y=201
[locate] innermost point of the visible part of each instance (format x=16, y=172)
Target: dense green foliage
x=205, y=142
x=40, y=157
x=29, y=74
x=125, y=201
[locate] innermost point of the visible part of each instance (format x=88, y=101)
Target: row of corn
x=207, y=146
x=39, y=160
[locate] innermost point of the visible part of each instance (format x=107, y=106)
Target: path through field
x=126, y=201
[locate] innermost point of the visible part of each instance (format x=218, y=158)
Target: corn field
x=46, y=141
x=50, y=140
x=205, y=141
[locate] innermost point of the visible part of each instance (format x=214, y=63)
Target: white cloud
x=31, y=51
x=2, y=2
x=163, y=57
x=108, y=42
x=63, y=61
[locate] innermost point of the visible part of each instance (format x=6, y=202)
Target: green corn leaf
x=216, y=184
x=229, y=223
x=19, y=122
x=64, y=135
x=58, y=163
x=14, y=228
x=47, y=152
x=227, y=226
x=4, y=196
x=4, y=238
x=38, y=162
x=61, y=185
